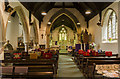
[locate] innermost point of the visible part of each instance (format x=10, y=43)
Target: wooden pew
x=90, y=64
x=80, y=59
x=85, y=59
x=36, y=68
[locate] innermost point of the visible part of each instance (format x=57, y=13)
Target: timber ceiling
x=37, y=8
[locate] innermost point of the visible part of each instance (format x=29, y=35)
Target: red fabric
x=80, y=52
x=17, y=55
x=108, y=53
x=95, y=53
x=42, y=52
x=47, y=55
x=89, y=51
x=86, y=54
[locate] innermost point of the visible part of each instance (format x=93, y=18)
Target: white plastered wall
x=97, y=31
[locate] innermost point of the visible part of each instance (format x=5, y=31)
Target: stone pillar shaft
x=47, y=41
x=26, y=46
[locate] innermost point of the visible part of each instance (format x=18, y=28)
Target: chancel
x=50, y=40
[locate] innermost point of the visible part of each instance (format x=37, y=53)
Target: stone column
x=79, y=38
x=26, y=46
x=48, y=41
x=2, y=44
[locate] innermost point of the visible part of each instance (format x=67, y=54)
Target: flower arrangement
x=92, y=45
x=110, y=39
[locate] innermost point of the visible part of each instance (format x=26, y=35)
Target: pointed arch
x=61, y=29
x=23, y=19
x=67, y=16
x=108, y=28
x=1, y=28
x=66, y=12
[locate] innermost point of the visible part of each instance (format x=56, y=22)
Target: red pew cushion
x=86, y=54
x=108, y=53
x=17, y=55
x=95, y=53
x=80, y=51
x=47, y=55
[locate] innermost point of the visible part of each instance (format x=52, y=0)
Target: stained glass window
x=63, y=34
x=112, y=27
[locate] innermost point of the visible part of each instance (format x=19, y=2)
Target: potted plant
x=110, y=39
x=92, y=45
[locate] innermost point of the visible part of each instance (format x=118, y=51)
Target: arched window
x=110, y=27
x=63, y=34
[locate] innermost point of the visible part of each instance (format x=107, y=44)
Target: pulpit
x=86, y=38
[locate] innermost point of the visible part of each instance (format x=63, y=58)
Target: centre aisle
x=67, y=67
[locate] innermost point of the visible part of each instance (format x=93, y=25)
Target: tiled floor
x=67, y=67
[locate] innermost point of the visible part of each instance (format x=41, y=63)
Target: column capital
x=1, y=43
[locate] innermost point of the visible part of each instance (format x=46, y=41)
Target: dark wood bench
x=85, y=59
x=80, y=59
x=36, y=68
x=91, y=63
x=99, y=55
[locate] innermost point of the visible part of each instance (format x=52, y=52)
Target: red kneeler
x=47, y=55
x=89, y=50
x=95, y=53
x=108, y=53
x=80, y=52
x=17, y=55
x=86, y=54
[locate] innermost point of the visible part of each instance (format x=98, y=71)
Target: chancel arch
x=59, y=14
x=63, y=25
x=64, y=14
x=62, y=17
